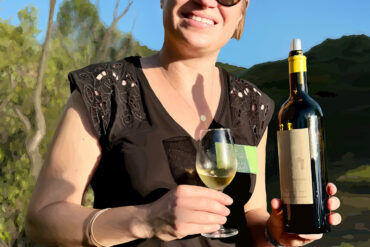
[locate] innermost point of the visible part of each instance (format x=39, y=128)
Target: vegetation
x=78, y=38
x=338, y=75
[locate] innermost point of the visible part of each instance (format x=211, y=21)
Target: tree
x=103, y=48
x=34, y=90
x=33, y=140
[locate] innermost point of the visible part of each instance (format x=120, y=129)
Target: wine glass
x=216, y=166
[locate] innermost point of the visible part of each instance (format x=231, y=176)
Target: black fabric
x=145, y=153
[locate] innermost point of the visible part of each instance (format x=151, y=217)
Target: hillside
x=339, y=80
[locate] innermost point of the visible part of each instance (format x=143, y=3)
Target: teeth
x=200, y=19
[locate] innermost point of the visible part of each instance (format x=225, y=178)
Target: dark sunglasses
x=228, y=3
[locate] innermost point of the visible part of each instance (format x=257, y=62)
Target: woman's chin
x=201, y=43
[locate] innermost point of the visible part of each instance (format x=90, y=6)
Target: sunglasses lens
x=228, y=2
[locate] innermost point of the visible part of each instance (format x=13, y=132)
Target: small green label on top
x=247, y=158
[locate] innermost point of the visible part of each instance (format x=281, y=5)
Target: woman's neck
x=184, y=71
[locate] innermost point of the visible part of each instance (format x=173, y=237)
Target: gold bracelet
x=91, y=225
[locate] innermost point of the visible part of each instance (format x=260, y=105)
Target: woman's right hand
x=187, y=210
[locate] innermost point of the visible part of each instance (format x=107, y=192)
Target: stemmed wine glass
x=216, y=165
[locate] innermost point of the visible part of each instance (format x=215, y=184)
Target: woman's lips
x=199, y=20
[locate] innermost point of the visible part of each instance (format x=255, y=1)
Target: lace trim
x=129, y=97
x=248, y=104
x=99, y=84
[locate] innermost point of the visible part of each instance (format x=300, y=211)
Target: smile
x=202, y=20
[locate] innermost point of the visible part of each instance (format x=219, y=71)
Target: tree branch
x=12, y=82
x=116, y=9
x=125, y=11
x=40, y=119
x=24, y=119
x=103, y=49
x=97, y=5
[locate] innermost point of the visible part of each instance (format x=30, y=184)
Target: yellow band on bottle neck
x=297, y=64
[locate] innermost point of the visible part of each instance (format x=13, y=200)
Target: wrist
x=270, y=238
x=140, y=225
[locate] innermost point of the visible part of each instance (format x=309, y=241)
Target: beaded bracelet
x=91, y=228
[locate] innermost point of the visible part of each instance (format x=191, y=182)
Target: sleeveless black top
x=145, y=153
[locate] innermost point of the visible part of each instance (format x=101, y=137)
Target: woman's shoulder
x=245, y=91
x=112, y=69
x=251, y=108
x=101, y=85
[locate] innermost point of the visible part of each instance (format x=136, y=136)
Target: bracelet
x=91, y=227
x=270, y=238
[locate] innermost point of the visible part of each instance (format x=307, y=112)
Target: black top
x=146, y=153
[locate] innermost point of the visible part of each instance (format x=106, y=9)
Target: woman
x=120, y=131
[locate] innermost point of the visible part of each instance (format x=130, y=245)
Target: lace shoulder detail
x=251, y=109
x=129, y=95
x=106, y=87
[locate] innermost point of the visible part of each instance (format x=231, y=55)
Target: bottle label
x=295, y=166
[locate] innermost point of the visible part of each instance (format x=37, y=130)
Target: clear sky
x=270, y=24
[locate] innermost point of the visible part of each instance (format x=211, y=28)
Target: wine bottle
x=301, y=149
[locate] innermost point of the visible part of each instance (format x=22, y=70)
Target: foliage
x=359, y=174
x=15, y=191
x=75, y=41
x=19, y=51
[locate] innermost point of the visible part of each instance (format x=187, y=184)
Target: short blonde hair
x=240, y=28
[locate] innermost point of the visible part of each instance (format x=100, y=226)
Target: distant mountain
x=339, y=80
x=238, y=71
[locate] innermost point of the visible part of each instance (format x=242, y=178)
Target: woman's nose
x=206, y=3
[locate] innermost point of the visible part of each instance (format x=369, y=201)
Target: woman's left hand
x=276, y=221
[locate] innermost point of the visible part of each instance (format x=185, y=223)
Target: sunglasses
x=228, y=3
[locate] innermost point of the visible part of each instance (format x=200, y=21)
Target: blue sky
x=270, y=24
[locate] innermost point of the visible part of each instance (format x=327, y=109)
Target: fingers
x=335, y=219
x=296, y=239
x=198, y=191
x=276, y=206
x=310, y=236
x=198, y=217
x=204, y=204
x=331, y=189
x=333, y=203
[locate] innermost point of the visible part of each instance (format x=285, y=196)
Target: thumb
x=276, y=206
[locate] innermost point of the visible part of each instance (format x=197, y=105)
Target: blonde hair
x=240, y=28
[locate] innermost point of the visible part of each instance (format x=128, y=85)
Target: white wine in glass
x=216, y=166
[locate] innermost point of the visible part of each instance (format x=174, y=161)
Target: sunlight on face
x=203, y=25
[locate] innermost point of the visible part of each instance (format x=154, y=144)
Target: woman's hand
x=187, y=210
x=276, y=221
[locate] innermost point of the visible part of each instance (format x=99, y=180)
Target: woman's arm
x=256, y=208
x=55, y=215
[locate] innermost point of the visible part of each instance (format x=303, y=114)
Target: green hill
x=339, y=80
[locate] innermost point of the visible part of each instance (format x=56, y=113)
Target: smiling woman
x=131, y=129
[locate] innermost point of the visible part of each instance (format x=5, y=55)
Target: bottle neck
x=298, y=84
x=297, y=74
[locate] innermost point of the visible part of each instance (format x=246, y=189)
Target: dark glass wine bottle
x=303, y=174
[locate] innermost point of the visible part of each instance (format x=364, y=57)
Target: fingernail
x=228, y=211
x=230, y=200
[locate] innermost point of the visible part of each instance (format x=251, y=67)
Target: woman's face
x=201, y=25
